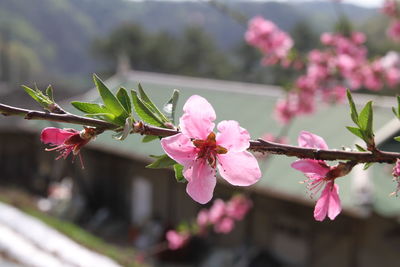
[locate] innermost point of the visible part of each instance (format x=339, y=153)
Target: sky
x=364, y=3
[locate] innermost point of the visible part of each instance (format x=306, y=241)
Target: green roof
x=252, y=106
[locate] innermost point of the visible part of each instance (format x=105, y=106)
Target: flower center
x=208, y=149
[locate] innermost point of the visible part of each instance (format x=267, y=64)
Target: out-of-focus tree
x=193, y=54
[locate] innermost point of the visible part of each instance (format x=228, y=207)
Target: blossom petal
x=239, y=168
x=56, y=136
x=329, y=203
x=310, y=166
x=335, y=206
x=310, y=140
x=201, y=181
x=198, y=117
x=232, y=137
x=180, y=148
x=321, y=208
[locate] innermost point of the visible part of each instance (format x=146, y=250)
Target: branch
x=255, y=145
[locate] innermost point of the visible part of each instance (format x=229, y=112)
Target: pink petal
x=335, y=206
x=307, y=139
x=198, y=117
x=56, y=136
x=232, y=137
x=328, y=203
x=201, y=181
x=239, y=168
x=308, y=166
x=180, y=148
x=321, y=208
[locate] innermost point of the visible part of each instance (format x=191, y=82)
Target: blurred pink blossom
x=272, y=42
x=176, y=240
x=225, y=225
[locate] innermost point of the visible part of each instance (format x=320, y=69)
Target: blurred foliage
x=192, y=54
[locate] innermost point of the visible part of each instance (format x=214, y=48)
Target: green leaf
x=149, y=138
x=360, y=148
x=38, y=96
x=365, y=119
x=150, y=105
x=123, y=97
x=49, y=92
x=126, y=131
x=170, y=106
x=397, y=138
x=144, y=112
x=179, y=173
x=367, y=165
x=398, y=105
x=395, y=112
x=162, y=161
x=110, y=101
x=89, y=108
x=353, y=110
x=355, y=131
x=103, y=116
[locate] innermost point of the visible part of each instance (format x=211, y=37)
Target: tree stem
x=255, y=145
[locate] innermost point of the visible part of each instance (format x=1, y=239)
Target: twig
x=255, y=145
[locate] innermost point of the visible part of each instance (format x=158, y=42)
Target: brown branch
x=255, y=145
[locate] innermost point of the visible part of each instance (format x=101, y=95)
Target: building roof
x=252, y=105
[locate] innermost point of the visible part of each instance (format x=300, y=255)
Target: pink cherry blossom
x=224, y=226
x=238, y=207
x=217, y=211
x=202, y=218
x=317, y=172
x=396, y=176
x=176, y=240
x=66, y=141
x=272, y=41
x=201, y=151
x=394, y=30
x=390, y=8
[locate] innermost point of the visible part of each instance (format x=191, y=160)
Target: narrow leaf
x=105, y=117
x=150, y=105
x=360, y=148
x=49, y=92
x=179, y=173
x=161, y=162
x=144, y=112
x=35, y=94
x=123, y=97
x=367, y=165
x=353, y=110
x=149, y=138
x=395, y=112
x=110, y=101
x=397, y=138
x=89, y=108
x=170, y=106
x=365, y=119
x=356, y=132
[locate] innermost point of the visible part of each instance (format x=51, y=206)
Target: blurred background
x=118, y=208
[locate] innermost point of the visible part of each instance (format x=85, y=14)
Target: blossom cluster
x=341, y=64
x=220, y=217
x=274, y=43
x=391, y=9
